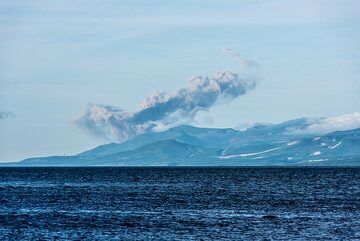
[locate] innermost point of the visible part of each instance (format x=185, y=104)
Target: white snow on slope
x=333, y=147
x=316, y=160
x=292, y=143
x=248, y=154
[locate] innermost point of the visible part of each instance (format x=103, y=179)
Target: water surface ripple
x=179, y=203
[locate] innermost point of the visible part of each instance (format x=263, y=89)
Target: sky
x=56, y=57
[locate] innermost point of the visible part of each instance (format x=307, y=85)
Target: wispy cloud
x=329, y=124
x=314, y=125
x=246, y=63
x=6, y=115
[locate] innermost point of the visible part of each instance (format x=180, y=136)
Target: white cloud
x=329, y=124
x=248, y=125
x=320, y=125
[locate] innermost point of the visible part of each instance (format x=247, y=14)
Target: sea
x=179, y=203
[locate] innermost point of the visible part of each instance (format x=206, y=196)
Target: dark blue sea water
x=179, y=203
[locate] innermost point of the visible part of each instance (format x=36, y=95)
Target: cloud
x=6, y=115
x=329, y=124
x=163, y=110
x=320, y=125
x=323, y=125
x=242, y=61
x=248, y=125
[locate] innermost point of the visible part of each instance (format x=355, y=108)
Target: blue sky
x=58, y=56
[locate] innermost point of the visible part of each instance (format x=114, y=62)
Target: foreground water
x=179, y=203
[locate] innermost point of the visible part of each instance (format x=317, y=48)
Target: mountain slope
x=328, y=149
x=165, y=152
x=207, y=137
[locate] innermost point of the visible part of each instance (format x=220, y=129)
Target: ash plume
x=165, y=109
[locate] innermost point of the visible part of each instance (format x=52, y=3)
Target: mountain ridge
x=267, y=145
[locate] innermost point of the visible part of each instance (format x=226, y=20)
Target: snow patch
x=316, y=160
x=333, y=147
x=248, y=154
x=292, y=143
x=258, y=157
